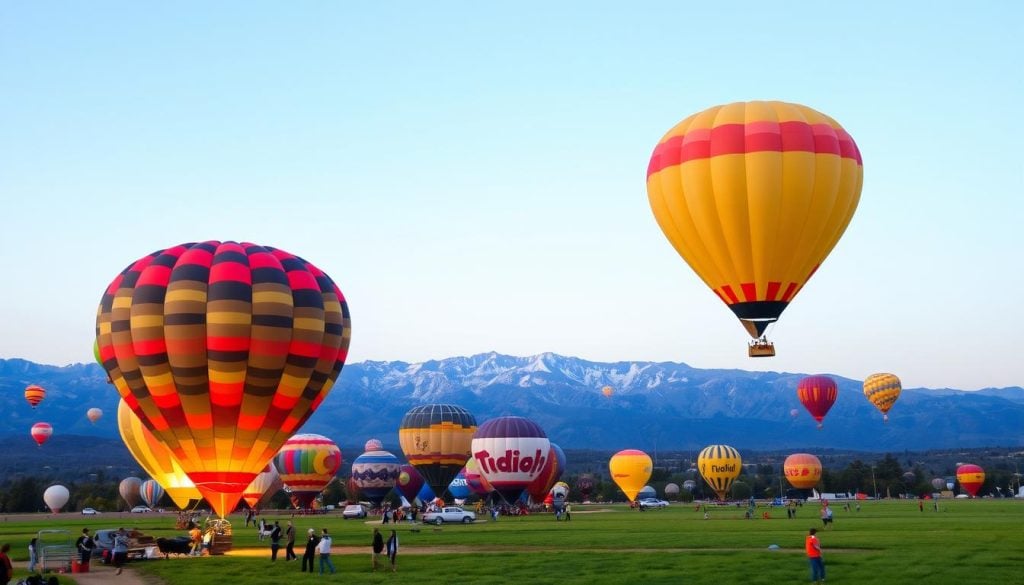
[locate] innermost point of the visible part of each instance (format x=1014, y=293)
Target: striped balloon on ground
x=971, y=478
x=802, y=470
x=511, y=452
x=307, y=463
x=223, y=350
x=154, y=458
x=375, y=474
x=151, y=492
x=882, y=390
x=719, y=465
x=129, y=490
x=267, y=483
x=436, y=439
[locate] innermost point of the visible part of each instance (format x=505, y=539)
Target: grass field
x=891, y=543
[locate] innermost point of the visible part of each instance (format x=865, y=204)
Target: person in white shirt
x=324, y=549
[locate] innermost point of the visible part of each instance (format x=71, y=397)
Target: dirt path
x=499, y=549
x=99, y=574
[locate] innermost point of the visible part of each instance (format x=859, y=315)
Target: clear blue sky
x=474, y=177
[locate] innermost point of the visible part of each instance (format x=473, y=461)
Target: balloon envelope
x=585, y=484
x=459, y=488
x=477, y=483
x=307, y=463
x=689, y=485
x=882, y=390
x=817, y=394
x=41, y=433
x=719, y=465
x=938, y=483
x=150, y=491
x=971, y=478
x=223, y=350
x=156, y=459
x=266, y=484
x=511, y=452
x=436, y=440
x=803, y=470
x=409, y=482
x=375, y=474
x=647, y=492
x=630, y=469
x=34, y=394
x=94, y=414
x=373, y=445
x=607, y=391
x=55, y=497
x=754, y=196
x=550, y=475
x=129, y=490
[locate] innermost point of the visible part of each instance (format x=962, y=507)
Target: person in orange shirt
x=197, y=541
x=813, y=547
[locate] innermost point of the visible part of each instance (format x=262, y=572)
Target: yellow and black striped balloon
x=223, y=350
x=719, y=465
x=882, y=390
x=436, y=440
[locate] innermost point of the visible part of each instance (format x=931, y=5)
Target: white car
x=353, y=511
x=652, y=503
x=141, y=509
x=89, y=511
x=449, y=514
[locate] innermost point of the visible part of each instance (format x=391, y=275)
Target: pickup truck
x=449, y=514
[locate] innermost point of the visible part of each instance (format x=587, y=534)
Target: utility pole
x=875, y=485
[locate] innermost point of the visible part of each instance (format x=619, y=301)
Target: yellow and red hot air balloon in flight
x=156, y=459
x=223, y=350
x=34, y=394
x=882, y=390
x=719, y=465
x=971, y=478
x=630, y=469
x=802, y=470
x=817, y=394
x=754, y=196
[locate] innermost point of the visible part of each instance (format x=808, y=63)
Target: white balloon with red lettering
x=510, y=453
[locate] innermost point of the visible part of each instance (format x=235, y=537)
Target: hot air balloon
x=803, y=470
x=409, y=482
x=511, y=452
x=351, y=490
x=672, y=491
x=630, y=470
x=719, y=465
x=938, y=483
x=689, y=485
x=41, y=432
x=793, y=413
x=817, y=394
x=560, y=490
x=426, y=494
x=970, y=477
x=950, y=483
x=607, y=391
x=150, y=491
x=55, y=497
x=267, y=483
x=223, y=350
x=375, y=473
x=585, y=485
x=459, y=487
x=373, y=445
x=155, y=458
x=549, y=476
x=477, y=483
x=34, y=394
x=909, y=478
x=882, y=390
x=129, y=490
x=754, y=196
x=647, y=492
x=93, y=414
x=436, y=440
x=307, y=463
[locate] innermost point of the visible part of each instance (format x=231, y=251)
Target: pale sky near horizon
x=473, y=177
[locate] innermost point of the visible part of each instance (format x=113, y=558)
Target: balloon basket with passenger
x=761, y=347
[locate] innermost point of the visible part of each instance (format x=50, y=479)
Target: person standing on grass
x=32, y=558
x=289, y=550
x=311, y=542
x=85, y=544
x=325, y=551
x=6, y=568
x=392, y=547
x=378, y=547
x=813, y=547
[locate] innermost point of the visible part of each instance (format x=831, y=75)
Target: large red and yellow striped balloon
x=34, y=394
x=754, y=196
x=882, y=390
x=306, y=464
x=971, y=478
x=817, y=394
x=156, y=459
x=223, y=350
x=802, y=470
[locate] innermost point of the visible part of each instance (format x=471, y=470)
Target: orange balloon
x=802, y=470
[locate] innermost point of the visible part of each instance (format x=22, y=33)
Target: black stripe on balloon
x=307, y=297
x=226, y=356
x=149, y=293
x=267, y=274
x=230, y=290
x=283, y=321
x=223, y=256
x=191, y=272
x=184, y=319
x=300, y=361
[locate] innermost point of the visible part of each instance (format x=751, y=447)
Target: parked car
x=449, y=514
x=90, y=511
x=353, y=511
x=652, y=503
x=141, y=509
x=138, y=542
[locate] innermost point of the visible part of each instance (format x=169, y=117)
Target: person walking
x=32, y=558
x=392, y=547
x=85, y=544
x=6, y=568
x=120, y=550
x=813, y=547
x=311, y=542
x=325, y=551
x=289, y=550
x=275, y=540
x=568, y=512
x=378, y=547
x=197, y=541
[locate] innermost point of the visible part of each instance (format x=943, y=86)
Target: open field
x=888, y=542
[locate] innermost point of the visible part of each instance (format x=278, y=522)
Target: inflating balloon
x=672, y=490
x=223, y=350
x=156, y=459
x=375, y=473
x=267, y=483
x=55, y=497
x=719, y=465
x=754, y=196
x=436, y=440
x=803, y=470
x=41, y=433
x=477, y=483
x=410, y=482
x=34, y=395
x=150, y=491
x=817, y=394
x=971, y=478
x=511, y=452
x=129, y=490
x=550, y=475
x=882, y=390
x=307, y=463
x=585, y=485
x=630, y=470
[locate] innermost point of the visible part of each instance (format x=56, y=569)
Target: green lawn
x=886, y=542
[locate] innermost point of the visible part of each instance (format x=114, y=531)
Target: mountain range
x=653, y=405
